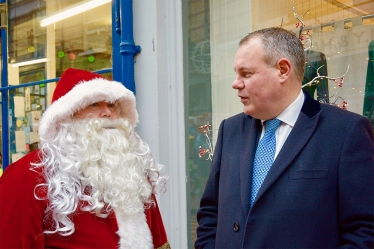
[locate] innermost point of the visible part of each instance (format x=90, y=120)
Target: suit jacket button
x=236, y=226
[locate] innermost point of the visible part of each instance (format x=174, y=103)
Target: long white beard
x=113, y=170
x=99, y=162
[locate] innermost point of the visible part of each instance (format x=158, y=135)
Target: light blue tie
x=264, y=156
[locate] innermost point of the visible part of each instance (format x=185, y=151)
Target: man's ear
x=284, y=67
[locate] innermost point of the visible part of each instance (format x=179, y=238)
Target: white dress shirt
x=288, y=118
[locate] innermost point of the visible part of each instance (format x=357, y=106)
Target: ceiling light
x=31, y=62
x=72, y=11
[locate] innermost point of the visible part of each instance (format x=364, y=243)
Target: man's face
x=112, y=167
x=256, y=82
x=99, y=109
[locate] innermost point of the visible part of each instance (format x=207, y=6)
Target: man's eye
x=111, y=105
x=247, y=75
x=94, y=104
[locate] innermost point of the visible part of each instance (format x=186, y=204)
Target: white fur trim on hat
x=82, y=95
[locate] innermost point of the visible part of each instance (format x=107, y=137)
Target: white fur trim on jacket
x=134, y=231
x=82, y=95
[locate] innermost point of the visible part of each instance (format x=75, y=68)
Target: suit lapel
x=305, y=125
x=250, y=131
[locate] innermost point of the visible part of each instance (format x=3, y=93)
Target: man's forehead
x=99, y=102
x=105, y=101
x=242, y=61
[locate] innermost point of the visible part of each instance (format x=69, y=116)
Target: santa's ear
x=284, y=67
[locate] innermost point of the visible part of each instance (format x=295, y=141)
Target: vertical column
x=4, y=83
x=123, y=26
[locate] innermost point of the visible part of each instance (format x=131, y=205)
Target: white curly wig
x=76, y=90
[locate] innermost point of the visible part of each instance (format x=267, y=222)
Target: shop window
x=342, y=44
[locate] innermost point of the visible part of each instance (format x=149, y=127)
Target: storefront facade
x=181, y=70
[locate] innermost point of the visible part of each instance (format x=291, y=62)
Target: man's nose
x=237, y=83
x=106, y=112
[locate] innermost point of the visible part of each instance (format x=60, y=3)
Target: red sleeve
x=156, y=226
x=21, y=215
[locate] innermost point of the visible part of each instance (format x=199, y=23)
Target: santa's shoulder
x=23, y=169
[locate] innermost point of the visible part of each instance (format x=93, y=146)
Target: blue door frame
x=4, y=95
x=123, y=51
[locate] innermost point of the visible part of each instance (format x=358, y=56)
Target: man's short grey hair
x=279, y=43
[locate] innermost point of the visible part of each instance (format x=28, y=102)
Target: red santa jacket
x=22, y=218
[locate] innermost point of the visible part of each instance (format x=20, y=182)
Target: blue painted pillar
x=123, y=36
x=116, y=40
x=4, y=96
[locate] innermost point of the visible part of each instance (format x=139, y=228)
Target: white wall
x=159, y=93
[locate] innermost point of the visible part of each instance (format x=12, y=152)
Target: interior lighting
x=30, y=62
x=73, y=10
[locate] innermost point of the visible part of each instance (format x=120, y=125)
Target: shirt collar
x=290, y=114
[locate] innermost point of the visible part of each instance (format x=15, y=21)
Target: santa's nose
x=106, y=111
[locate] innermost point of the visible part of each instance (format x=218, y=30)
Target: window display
x=337, y=35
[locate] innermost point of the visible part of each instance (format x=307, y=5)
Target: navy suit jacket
x=319, y=193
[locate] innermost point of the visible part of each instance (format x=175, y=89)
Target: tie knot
x=272, y=125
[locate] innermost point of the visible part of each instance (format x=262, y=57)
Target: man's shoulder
x=239, y=122
x=23, y=165
x=334, y=111
x=32, y=157
x=345, y=120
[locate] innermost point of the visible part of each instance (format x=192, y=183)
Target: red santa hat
x=76, y=90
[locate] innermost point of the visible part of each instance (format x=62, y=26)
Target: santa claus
x=92, y=183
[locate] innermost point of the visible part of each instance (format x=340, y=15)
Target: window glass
x=39, y=52
x=338, y=37
x=199, y=111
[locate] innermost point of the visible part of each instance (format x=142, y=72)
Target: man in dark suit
x=319, y=190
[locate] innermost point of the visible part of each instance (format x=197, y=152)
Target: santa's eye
x=111, y=105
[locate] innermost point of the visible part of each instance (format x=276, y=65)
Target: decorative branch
x=302, y=36
x=305, y=38
x=207, y=152
x=338, y=80
x=343, y=104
